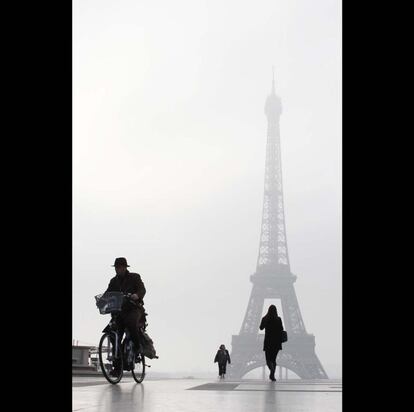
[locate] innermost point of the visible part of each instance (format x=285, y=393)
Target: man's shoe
x=114, y=373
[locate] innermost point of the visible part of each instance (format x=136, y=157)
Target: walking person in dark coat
x=272, y=324
x=222, y=357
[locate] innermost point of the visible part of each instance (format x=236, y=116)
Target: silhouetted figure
x=272, y=324
x=222, y=357
x=132, y=313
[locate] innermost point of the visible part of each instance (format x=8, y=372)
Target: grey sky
x=169, y=143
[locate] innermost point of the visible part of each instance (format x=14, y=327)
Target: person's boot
x=116, y=369
x=273, y=372
x=271, y=375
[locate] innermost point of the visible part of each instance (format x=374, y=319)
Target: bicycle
x=116, y=356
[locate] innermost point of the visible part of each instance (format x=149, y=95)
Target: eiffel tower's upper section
x=273, y=106
x=273, y=256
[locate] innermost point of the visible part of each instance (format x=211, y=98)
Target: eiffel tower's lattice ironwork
x=273, y=278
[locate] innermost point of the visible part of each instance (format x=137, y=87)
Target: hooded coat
x=222, y=356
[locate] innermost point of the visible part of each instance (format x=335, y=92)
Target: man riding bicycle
x=132, y=313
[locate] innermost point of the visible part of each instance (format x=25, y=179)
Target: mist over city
x=169, y=161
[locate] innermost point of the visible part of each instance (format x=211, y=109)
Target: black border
x=39, y=201
x=373, y=246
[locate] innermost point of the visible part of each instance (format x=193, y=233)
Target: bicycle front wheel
x=138, y=372
x=110, y=362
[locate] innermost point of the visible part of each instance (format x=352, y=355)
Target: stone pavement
x=93, y=394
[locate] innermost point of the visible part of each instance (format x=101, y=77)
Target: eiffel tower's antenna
x=273, y=80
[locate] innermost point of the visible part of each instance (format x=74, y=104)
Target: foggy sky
x=169, y=140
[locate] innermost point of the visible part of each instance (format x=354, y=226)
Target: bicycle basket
x=109, y=302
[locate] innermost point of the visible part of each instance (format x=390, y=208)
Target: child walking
x=222, y=357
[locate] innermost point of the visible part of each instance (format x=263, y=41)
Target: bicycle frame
x=116, y=343
x=117, y=349
x=113, y=336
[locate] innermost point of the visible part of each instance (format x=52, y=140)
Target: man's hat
x=121, y=261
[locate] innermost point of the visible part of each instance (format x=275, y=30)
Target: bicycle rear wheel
x=108, y=361
x=138, y=372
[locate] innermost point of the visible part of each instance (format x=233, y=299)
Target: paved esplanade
x=94, y=394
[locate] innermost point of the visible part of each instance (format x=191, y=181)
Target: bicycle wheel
x=107, y=359
x=138, y=372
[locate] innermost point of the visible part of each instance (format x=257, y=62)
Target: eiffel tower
x=273, y=278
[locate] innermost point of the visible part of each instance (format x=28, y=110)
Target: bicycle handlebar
x=135, y=302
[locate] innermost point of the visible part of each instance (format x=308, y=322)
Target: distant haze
x=169, y=139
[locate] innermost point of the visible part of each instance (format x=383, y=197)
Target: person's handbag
x=284, y=336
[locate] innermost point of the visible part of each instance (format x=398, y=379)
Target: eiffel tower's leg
x=245, y=346
x=301, y=359
x=292, y=317
x=254, y=311
x=314, y=369
x=307, y=364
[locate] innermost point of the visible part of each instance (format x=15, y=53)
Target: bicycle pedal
x=148, y=366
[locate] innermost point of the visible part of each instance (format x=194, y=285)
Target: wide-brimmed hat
x=121, y=261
